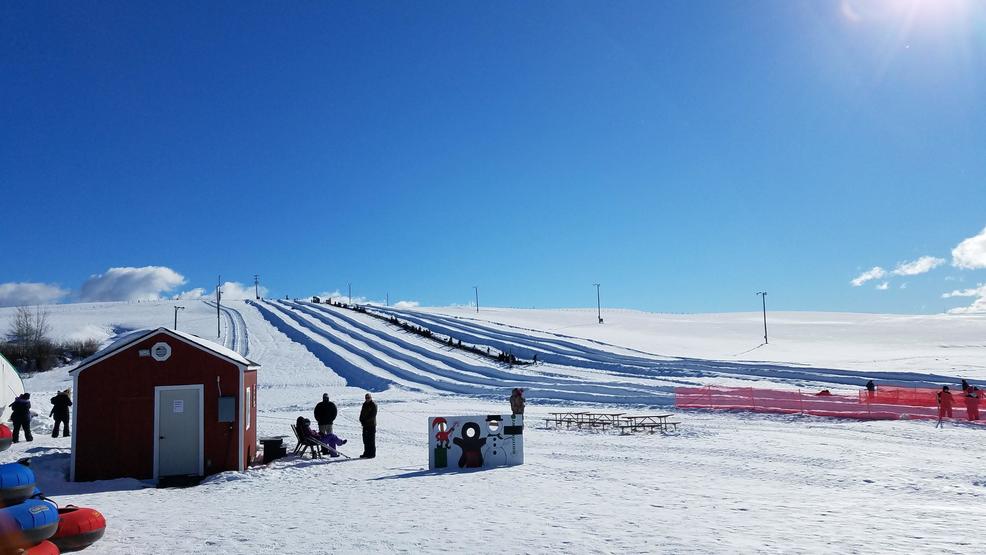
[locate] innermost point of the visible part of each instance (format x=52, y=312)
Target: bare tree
x=28, y=343
x=29, y=328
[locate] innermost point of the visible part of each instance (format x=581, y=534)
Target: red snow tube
x=6, y=437
x=78, y=528
x=43, y=548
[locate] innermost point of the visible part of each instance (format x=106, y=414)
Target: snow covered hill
x=725, y=483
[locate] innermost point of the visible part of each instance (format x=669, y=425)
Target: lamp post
x=219, y=300
x=177, y=308
x=599, y=306
x=476, y=287
x=763, y=296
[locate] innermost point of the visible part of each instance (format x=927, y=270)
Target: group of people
x=970, y=394
x=20, y=414
x=325, y=415
x=326, y=412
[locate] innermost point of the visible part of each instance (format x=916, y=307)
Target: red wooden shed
x=162, y=403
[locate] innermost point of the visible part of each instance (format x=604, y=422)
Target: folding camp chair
x=306, y=444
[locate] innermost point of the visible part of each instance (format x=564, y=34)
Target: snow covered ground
x=726, y=483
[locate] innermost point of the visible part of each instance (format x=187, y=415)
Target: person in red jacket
x=972, y=402
x=944, y=403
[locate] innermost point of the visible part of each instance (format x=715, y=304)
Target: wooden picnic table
x=568, y=418
x=649, y=422
x=604, y=419
x=583, y=418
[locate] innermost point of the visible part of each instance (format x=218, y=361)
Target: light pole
x=599, y=305
x=350, y=293
x=763, y=296
x=256, y=285
x=476, y=287
x=219, y=300
x=177, y=308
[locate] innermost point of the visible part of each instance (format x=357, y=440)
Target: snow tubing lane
x=6, y=437
x=352, y=374
x=572, y=390
x=16, y=483
x=27, y=524
x=78, y=528
x=43, y=548
x=677, y=366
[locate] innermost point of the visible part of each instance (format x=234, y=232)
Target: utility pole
x=350, y=293
x=256, y=285
x=219, y=300
x=476, y=287
x=763, y=295
x=599, y=305
x=177, y=308
x=388, y=299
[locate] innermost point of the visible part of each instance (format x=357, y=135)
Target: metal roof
x=138, y=335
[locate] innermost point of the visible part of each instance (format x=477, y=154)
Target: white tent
x=10, y=386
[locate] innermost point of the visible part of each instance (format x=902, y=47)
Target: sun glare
x=916, y=12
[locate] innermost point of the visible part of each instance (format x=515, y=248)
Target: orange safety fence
x=911, y=396
x=802, y=402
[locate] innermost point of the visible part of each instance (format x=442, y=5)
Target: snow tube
x=43, y=548
x=6, y=437
x=16, y=483
x=27, y=524
x=78, y=528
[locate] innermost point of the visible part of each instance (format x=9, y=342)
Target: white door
x=179, y=429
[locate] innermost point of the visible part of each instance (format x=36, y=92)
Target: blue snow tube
x=27, y=524
x=16, y=483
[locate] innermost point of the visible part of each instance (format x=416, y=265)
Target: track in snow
x=355, y=349
x=568, y=351
x=237, y=336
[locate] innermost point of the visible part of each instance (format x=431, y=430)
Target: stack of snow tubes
x=32, y=524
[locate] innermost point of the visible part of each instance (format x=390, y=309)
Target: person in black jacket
x=368, y=418
x=60, y=412
x=325, y=414
x=21, y=417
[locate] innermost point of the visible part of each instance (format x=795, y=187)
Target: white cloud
x=920, y=266
x=978, y=305
x=970, y=254
x=191, y=294
x=883, y=286
x=236, y=291
x=340, y=297
x=903, y=285
x=978, y=291
x=21, y=294
x=130, y=284
x=875, y=273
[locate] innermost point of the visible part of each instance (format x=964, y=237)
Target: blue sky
x=683, y=154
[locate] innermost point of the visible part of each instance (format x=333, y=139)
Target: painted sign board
x=461, y=442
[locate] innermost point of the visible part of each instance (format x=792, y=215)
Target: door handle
x=160, y=437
